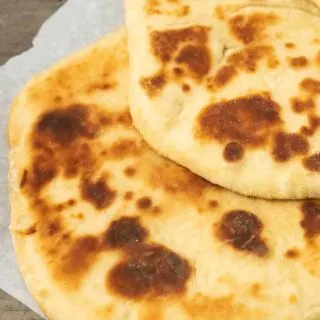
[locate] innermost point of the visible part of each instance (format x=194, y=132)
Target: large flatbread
x=104, y=228
x=230, y=90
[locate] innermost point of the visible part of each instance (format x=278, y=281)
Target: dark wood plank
x=19, y=22
x=11, y=309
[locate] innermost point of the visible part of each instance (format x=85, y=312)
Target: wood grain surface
x=19, y=22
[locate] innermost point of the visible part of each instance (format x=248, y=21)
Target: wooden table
x=19, y=21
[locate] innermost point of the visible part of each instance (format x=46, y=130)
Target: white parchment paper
x=75, y=25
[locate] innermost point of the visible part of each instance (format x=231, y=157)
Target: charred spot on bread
x=242, y=230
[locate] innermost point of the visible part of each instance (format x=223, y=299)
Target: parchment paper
x=75, y=25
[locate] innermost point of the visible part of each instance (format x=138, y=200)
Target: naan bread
x=104, y=228
x=230, y=90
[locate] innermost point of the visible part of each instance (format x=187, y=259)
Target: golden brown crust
x=104, y=228
x=225, y=71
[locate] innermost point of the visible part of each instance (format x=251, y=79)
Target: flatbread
x=104, y=228
x=230, y=90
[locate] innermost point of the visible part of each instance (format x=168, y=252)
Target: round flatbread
x=230, y=90
x=104, y=228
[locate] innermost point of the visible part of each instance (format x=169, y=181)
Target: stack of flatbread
x=105, y=227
